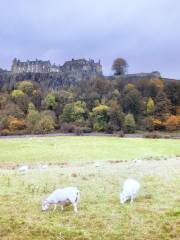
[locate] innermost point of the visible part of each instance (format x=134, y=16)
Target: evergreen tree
x=163, y=106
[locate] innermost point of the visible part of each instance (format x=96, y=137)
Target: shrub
x=32, y=119
x=109, y=128
x=17, y=93
x=157, y=124
x=100, y=115
x=11, y=109
x=50, y=102
x=154, y=134
x=129, y=123
x=121, y=133
x=67, y=127
x=15, y=124
x=99, y=125
x=171, y=123
x=68, y=114
x=49, y=113
x=5, y=132
x=87, y=130
x=78, y=131
x=26, y=87
x=21, y=99
x=73, y=112
x=45, y=125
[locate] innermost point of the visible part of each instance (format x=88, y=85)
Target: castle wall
x=74, y=69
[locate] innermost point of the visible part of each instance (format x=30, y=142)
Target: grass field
x=155, y=214
x=83, y=149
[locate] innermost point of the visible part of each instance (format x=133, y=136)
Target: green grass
x=67, y=149
x=155, y=215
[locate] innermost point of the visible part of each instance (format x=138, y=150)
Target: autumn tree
x=21, y=99
x=32, y=117
x=163, y=106
x=50, y=102
x=119, y=66
x=171, y=123
x=129, y=123
x=26, y=87
x=46, y=124
x=133, y=103
x=150, y=106
x=116, y=116
x=73, y=112
x=100, y=114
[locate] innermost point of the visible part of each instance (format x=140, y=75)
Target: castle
x=77, y=69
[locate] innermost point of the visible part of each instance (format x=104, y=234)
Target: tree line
x=102, y=104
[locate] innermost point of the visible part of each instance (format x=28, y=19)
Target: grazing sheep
x=97, y=164
x=63, y=196
x=23, y=169
x=130, y=190
x=43, y=167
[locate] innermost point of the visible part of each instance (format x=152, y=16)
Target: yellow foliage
x=16, y=124
x=157, y=123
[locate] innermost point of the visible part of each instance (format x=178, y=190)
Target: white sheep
x=43, y=167
x=97, y=164
x=130, y=190
x=23, y=169
x=63, y=196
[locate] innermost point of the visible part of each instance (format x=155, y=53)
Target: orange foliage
x=157, y=124
x=172, y=123
x=178, y=118
x=178, y=110
x=16, y=124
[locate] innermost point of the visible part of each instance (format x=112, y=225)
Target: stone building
x=81, y=69
x=36, y=66
x=74, y=69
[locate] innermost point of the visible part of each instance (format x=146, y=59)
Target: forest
x=102, y=104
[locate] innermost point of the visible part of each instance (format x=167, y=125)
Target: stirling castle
x=77, y=69
x=50, y=76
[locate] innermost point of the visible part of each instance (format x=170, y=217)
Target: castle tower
x=14, y=65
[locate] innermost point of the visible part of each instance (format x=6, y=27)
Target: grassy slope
x=155, y=214
x=66, y=149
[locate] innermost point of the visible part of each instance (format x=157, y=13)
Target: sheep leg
x=132, y=198
x=55, y=206
x=75, y=207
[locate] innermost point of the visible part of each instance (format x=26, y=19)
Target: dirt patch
x=74, y=175
x=61, y=164
x=116, y=161
x=9, y=166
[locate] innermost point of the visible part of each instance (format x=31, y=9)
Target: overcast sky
x=144, y=32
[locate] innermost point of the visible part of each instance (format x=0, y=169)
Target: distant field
x=155, y=214
x=67, y=149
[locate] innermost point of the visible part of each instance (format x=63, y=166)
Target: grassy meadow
x=82, y=149
x=154, y=215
